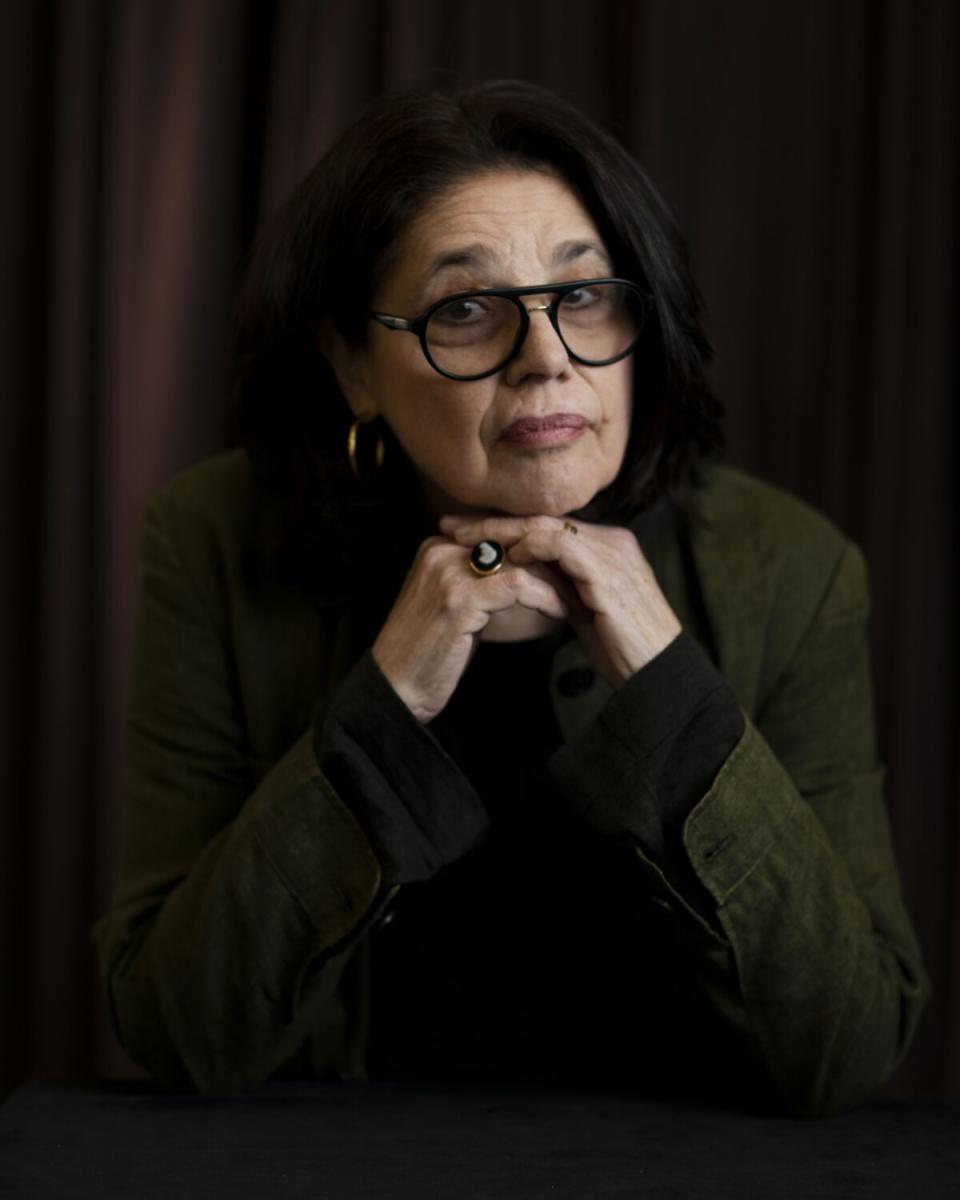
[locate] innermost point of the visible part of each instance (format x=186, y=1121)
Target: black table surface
x=369, y=1140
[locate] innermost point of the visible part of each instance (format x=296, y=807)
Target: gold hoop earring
x=352, y=449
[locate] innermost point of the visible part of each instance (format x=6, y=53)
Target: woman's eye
x=461, y=312
x=581, y=298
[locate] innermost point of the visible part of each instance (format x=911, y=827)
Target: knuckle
x=450, y=592
x=433, y=552
x=517, y=581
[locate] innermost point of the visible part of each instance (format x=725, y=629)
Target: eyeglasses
x=471, y=335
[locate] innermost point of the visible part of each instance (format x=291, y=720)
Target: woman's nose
x=541, y=353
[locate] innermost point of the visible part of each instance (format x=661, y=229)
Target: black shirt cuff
x=652, y=753
x=417, y=808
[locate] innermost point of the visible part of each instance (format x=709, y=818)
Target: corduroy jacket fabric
x=240, y=940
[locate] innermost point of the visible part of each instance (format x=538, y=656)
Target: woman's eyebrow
x=476, y=254
x=568, y=251
x=480, y=254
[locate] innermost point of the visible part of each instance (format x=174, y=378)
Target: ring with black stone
x=487, y=557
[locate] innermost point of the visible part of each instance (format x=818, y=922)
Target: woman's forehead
x=493, y=221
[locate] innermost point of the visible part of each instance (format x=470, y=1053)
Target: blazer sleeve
x=807, y=954
x=240, y=906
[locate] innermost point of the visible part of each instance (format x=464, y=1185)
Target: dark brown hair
x=319, y=258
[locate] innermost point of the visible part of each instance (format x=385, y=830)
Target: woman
x=482, y=726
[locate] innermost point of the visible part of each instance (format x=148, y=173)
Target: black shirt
x=513, y=961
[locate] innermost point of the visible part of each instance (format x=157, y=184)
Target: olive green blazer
x=238, y=943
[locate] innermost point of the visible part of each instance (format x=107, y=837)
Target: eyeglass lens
x=476, y=334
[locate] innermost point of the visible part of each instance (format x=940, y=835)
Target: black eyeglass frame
x=418, y=325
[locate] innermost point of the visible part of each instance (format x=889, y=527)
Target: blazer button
x=575, y=681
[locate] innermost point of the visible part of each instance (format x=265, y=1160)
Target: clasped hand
x=596, y=579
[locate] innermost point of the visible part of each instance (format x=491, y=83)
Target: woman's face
x=502, y=229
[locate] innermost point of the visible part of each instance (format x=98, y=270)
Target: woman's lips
x=554, y=430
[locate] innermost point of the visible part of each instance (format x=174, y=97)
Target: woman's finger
x=517, y=585
x=467, y=531
x=576, y=556
x=546, y=545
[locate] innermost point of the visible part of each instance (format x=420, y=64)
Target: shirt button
x=386, y=919
x=575, y=681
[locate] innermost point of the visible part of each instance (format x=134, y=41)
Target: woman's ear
x=350, y=366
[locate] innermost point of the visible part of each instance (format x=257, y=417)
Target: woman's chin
x=553, y=503
x=549, y=494
x=510, y=507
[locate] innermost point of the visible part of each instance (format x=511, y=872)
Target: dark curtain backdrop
x=809, y=150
